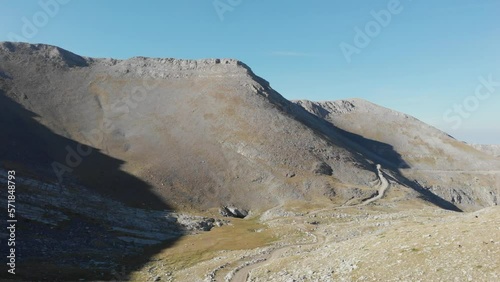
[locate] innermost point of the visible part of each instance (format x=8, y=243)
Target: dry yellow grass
x=242, y=234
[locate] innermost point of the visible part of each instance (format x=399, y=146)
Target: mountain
x=201, y=133
x=206, y=133
x=441, y=164
x=121, y=153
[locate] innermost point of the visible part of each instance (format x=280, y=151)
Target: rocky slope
x=69, y=232
x=199, y=133
x=449, y=168
x=105, y=150
x=489, y=149
x=390, y=240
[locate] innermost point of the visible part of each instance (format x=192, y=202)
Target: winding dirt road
x=382, y=187
x=242, y=273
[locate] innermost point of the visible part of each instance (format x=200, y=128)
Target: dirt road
x=241, y=274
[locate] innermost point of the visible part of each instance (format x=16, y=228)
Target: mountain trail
x=242, y=272
x=382, y=187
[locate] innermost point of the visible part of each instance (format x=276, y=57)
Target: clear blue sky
x=426, y=59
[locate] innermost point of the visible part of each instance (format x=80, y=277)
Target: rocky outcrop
x=327, y=108
x=322, y=168
x=233, y=212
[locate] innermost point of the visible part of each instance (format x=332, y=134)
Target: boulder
x=322, y=168
x=233, y=212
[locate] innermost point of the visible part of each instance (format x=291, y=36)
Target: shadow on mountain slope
x=379, y=152
x=425, y=194
x=86, y=244
x=27, y=141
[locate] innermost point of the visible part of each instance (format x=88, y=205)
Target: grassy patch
x=193, y=249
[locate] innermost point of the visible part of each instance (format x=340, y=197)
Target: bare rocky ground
x=392, y=238
x=389, y=240
x=490, y=149
x=68, y=232
x=123, y=165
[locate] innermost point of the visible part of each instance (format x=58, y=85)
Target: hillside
x=449, y=168
x=385, y=242
x=201, y=133
x=489, y=149
x=132, y=157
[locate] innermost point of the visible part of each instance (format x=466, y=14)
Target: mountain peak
x=141, y=66
x=50, y=53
